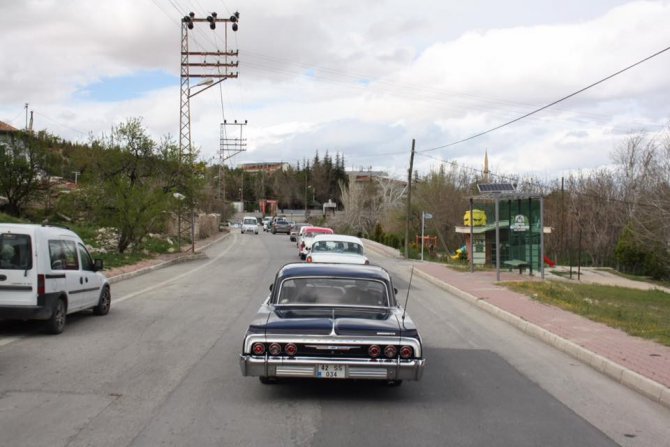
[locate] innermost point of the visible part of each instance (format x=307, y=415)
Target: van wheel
x=105, y=302
x=56, y=324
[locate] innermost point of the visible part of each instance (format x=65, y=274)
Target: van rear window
x=15, y=252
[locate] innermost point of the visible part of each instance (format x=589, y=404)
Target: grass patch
x=643, y=313
x=6, y=218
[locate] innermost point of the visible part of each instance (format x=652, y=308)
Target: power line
x=539, y=185
x=60, y=124
x=550, y=104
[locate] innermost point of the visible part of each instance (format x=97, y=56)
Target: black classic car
x=332, y=321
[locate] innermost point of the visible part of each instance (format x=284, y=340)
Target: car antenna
x=404, y=311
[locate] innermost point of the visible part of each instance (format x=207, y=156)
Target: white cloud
x=363, y=78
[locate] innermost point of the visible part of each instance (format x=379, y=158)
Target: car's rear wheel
x=56, y=324
x=267, y=380
x=105, y=302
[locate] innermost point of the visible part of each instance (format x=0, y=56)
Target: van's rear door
x=18, y=281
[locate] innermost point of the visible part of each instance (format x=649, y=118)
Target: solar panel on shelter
x=496, y=187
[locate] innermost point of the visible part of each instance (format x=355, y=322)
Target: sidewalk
x=637, y=363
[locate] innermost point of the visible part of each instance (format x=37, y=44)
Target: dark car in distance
x=281, y=225
x=332, y=321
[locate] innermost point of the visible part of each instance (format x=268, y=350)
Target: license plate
x=331, y=371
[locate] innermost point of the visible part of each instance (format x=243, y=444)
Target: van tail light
x=390, y=351
x=309, y=259
x=406, y=352
x=41, y=290
x=291, y=349
x=374, y=351
x=258, y=348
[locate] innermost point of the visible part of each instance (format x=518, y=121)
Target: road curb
x=184, y=258
x=635, y=381
x=382, y=249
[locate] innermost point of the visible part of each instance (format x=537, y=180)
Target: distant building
x=6, y=131
x=372, y=176
x=268, y=167
x=365, y=176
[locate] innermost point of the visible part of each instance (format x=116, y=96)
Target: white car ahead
x=250, y=225
x=337, y=249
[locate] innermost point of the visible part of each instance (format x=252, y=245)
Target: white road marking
x=7, y=340
x=174, y=278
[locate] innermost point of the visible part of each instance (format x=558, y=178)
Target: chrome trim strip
x=368, y=373
x=295, y=371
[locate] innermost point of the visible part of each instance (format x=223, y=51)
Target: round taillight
x=309, y=259
x=390, y=351
x=258, y=348
x=406, y=352
x=291, y=349
x=374, y=351
x=274, y=349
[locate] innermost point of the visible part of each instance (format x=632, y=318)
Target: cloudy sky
x=358, y=77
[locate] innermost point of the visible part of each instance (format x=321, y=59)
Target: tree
x=21, y=157
x=135, y=182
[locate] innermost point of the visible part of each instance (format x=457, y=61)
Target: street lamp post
x=306, y=188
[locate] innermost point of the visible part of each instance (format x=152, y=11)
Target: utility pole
x=213, y=66
x=229, y=147
x=409, y=198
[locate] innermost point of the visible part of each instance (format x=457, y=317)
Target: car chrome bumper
x=305, y=367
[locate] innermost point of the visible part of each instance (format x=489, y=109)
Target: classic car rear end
x=337, y=249
x=328, y=321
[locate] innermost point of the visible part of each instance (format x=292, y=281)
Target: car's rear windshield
x=333, y=292
x=250, y=221
x=15, y=252
x=337, y=247
x=312, y=233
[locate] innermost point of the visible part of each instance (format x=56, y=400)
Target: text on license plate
x=324, y=371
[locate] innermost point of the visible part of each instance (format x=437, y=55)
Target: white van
x=46, y=273
x=249, y=225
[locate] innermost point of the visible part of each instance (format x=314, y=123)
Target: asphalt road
x=162, y=369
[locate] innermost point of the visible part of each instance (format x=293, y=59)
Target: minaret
x=486, y=166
